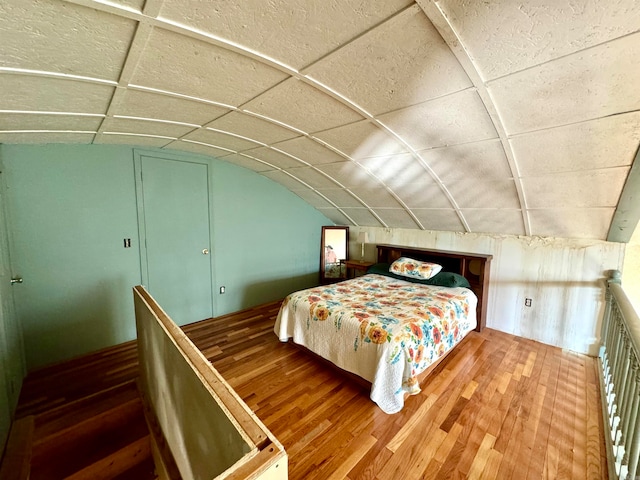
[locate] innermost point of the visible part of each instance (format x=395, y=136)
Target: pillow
x=408, y=267
x=442, y=279
x=449, y=279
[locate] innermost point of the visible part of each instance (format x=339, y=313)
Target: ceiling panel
x=252, y=127
x=180, y=64
x=313, y=198
x=363, y=217
x=376, y=197
x=350, y=174
x=481, y=160
x=424, y=194
x=9, y=121
x=246, y=162
x=81, y=41
x=480, y=192
x=335, y=216
x=402, y=62
x=291, y=182
x=295, y=103
x=273, y=157
x=502, y=220
x=295, y=33
x=396, y=218
x=602, y=143
x=53, y=95
x=439, y=219
x=311, y=151
x=137, y=103
x=142, y=126
x=595, y=188
x=219, y=139
x=457, y=118
x=197, y=148
x=397, y=170
x=341, y=197
x=361, y=140
x=505, y=36
x=572, y=222
x=586, y=85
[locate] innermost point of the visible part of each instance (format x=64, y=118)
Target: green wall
x=70, y=208
x=265, y=245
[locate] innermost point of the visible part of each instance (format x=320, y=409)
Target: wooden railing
x=200, y=427
x=620, y=381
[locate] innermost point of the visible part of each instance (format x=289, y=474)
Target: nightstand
x=355, y=268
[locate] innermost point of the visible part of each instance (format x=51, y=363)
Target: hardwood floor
x=500, y=407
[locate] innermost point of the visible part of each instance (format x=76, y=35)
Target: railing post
x=620, y=380
x=634, y=433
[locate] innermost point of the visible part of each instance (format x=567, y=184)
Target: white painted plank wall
x=563, y=277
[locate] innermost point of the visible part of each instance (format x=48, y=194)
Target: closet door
x=173, y=206
x=11, y=351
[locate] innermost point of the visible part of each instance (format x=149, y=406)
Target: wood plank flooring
x=500, y=407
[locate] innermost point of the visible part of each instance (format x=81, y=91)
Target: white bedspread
x=387, y=331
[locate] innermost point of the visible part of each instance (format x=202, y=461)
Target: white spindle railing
x=620, y=381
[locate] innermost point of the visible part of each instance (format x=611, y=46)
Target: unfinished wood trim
x=222, y=389
x=175, y=354
x=166, y=468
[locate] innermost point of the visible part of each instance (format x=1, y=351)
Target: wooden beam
x=627, y=214
x=210, y=432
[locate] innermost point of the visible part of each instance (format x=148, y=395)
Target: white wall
x=563, y=277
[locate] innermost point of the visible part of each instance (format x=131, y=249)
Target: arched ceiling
x=496, y=116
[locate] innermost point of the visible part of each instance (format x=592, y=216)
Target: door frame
x=142, y=239
x=12, y=372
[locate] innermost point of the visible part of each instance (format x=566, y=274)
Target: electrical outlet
x=222, y=290
x=527, y=302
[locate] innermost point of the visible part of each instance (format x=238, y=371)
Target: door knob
x=205, y=251
x=16, y=280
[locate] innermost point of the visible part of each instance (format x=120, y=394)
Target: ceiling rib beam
x=368, y=116
x=627, y=214
x=139, y=41
x=149, y=18
x=439, y=20
x=152, y=7
x=374, y=176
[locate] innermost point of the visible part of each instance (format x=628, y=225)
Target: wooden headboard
x=475, y=267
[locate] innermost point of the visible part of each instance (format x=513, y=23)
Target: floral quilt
x=385, y=330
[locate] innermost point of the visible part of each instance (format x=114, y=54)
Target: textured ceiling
x=495, y=116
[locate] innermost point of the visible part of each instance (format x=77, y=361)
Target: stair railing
x=620, y=381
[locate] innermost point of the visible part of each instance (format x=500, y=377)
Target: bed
x=387, y=328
